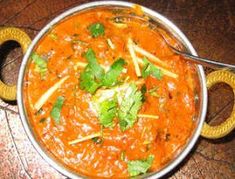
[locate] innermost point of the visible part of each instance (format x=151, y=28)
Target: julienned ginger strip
x=43, y=99
x=148, y=116
x=164, y=71
x=148, y=55
x=82, y=139
x=133, y=56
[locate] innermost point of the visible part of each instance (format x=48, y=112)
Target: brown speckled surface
x=209, y=25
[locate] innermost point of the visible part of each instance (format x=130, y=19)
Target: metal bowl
x=163, y=22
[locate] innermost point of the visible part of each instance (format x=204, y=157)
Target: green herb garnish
x=39, y=112
x=90, y=79
x=107, y=111
x=111, y=76
x=97, y=140
x=53, y=36
x=40, y=63
x=96, y=29
x=129, y=107
x=93, y=76
x=136, y=167
x=150, y=69
x=42, y=120
x=93, y=64
x=56, y=109
x=143, y=91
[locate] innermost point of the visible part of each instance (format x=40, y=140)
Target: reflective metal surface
x=203, y=61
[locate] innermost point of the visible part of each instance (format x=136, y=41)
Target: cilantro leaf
x=143, y=91
x=96, y=29
x=88, y=82
x=136, y=167
x=90, y=78
x=107, y=111
x=150, y=69
x=40, y=63
x=56, y=109
x=111, y=76
x=97, y=70
x=93, y=76
x=129, y=107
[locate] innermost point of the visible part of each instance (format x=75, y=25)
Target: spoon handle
x=204, y=61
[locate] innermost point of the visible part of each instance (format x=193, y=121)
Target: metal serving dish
x=163, y=22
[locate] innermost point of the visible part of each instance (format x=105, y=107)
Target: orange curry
x=107, y=97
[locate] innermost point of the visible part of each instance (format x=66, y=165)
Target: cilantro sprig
x=56, y=109
x=123, y=104
x=136, y=167
x=111, y=76
x=150, y=69
x=107, y=112
x=40, y=64
x=94, y=76
x=90, y=79
x=129, y=107
x=96, y=29
x=97, y=70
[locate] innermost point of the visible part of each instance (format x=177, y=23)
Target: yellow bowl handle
x=8, y=92
x=215, y=132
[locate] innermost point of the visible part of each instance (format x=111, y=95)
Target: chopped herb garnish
x=97, y=140
x=143, y=91
x=136, y=167
x=96, y=29
x=90, y=79
x=56, y=110
x=107, y=111
x=53, y=36
x=94, y=76
x=42, y=120
x=40, y=112
x=129, y=107
x=93, y=64
x=111, y=76
x=40, y=63
x=150, y=69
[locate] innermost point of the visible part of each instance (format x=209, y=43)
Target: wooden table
x=209, y=25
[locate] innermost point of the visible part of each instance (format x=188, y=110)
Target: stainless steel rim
x=152, y=13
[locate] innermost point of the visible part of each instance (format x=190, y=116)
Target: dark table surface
x=209, y=25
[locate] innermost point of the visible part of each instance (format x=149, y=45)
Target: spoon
x=199, y=60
